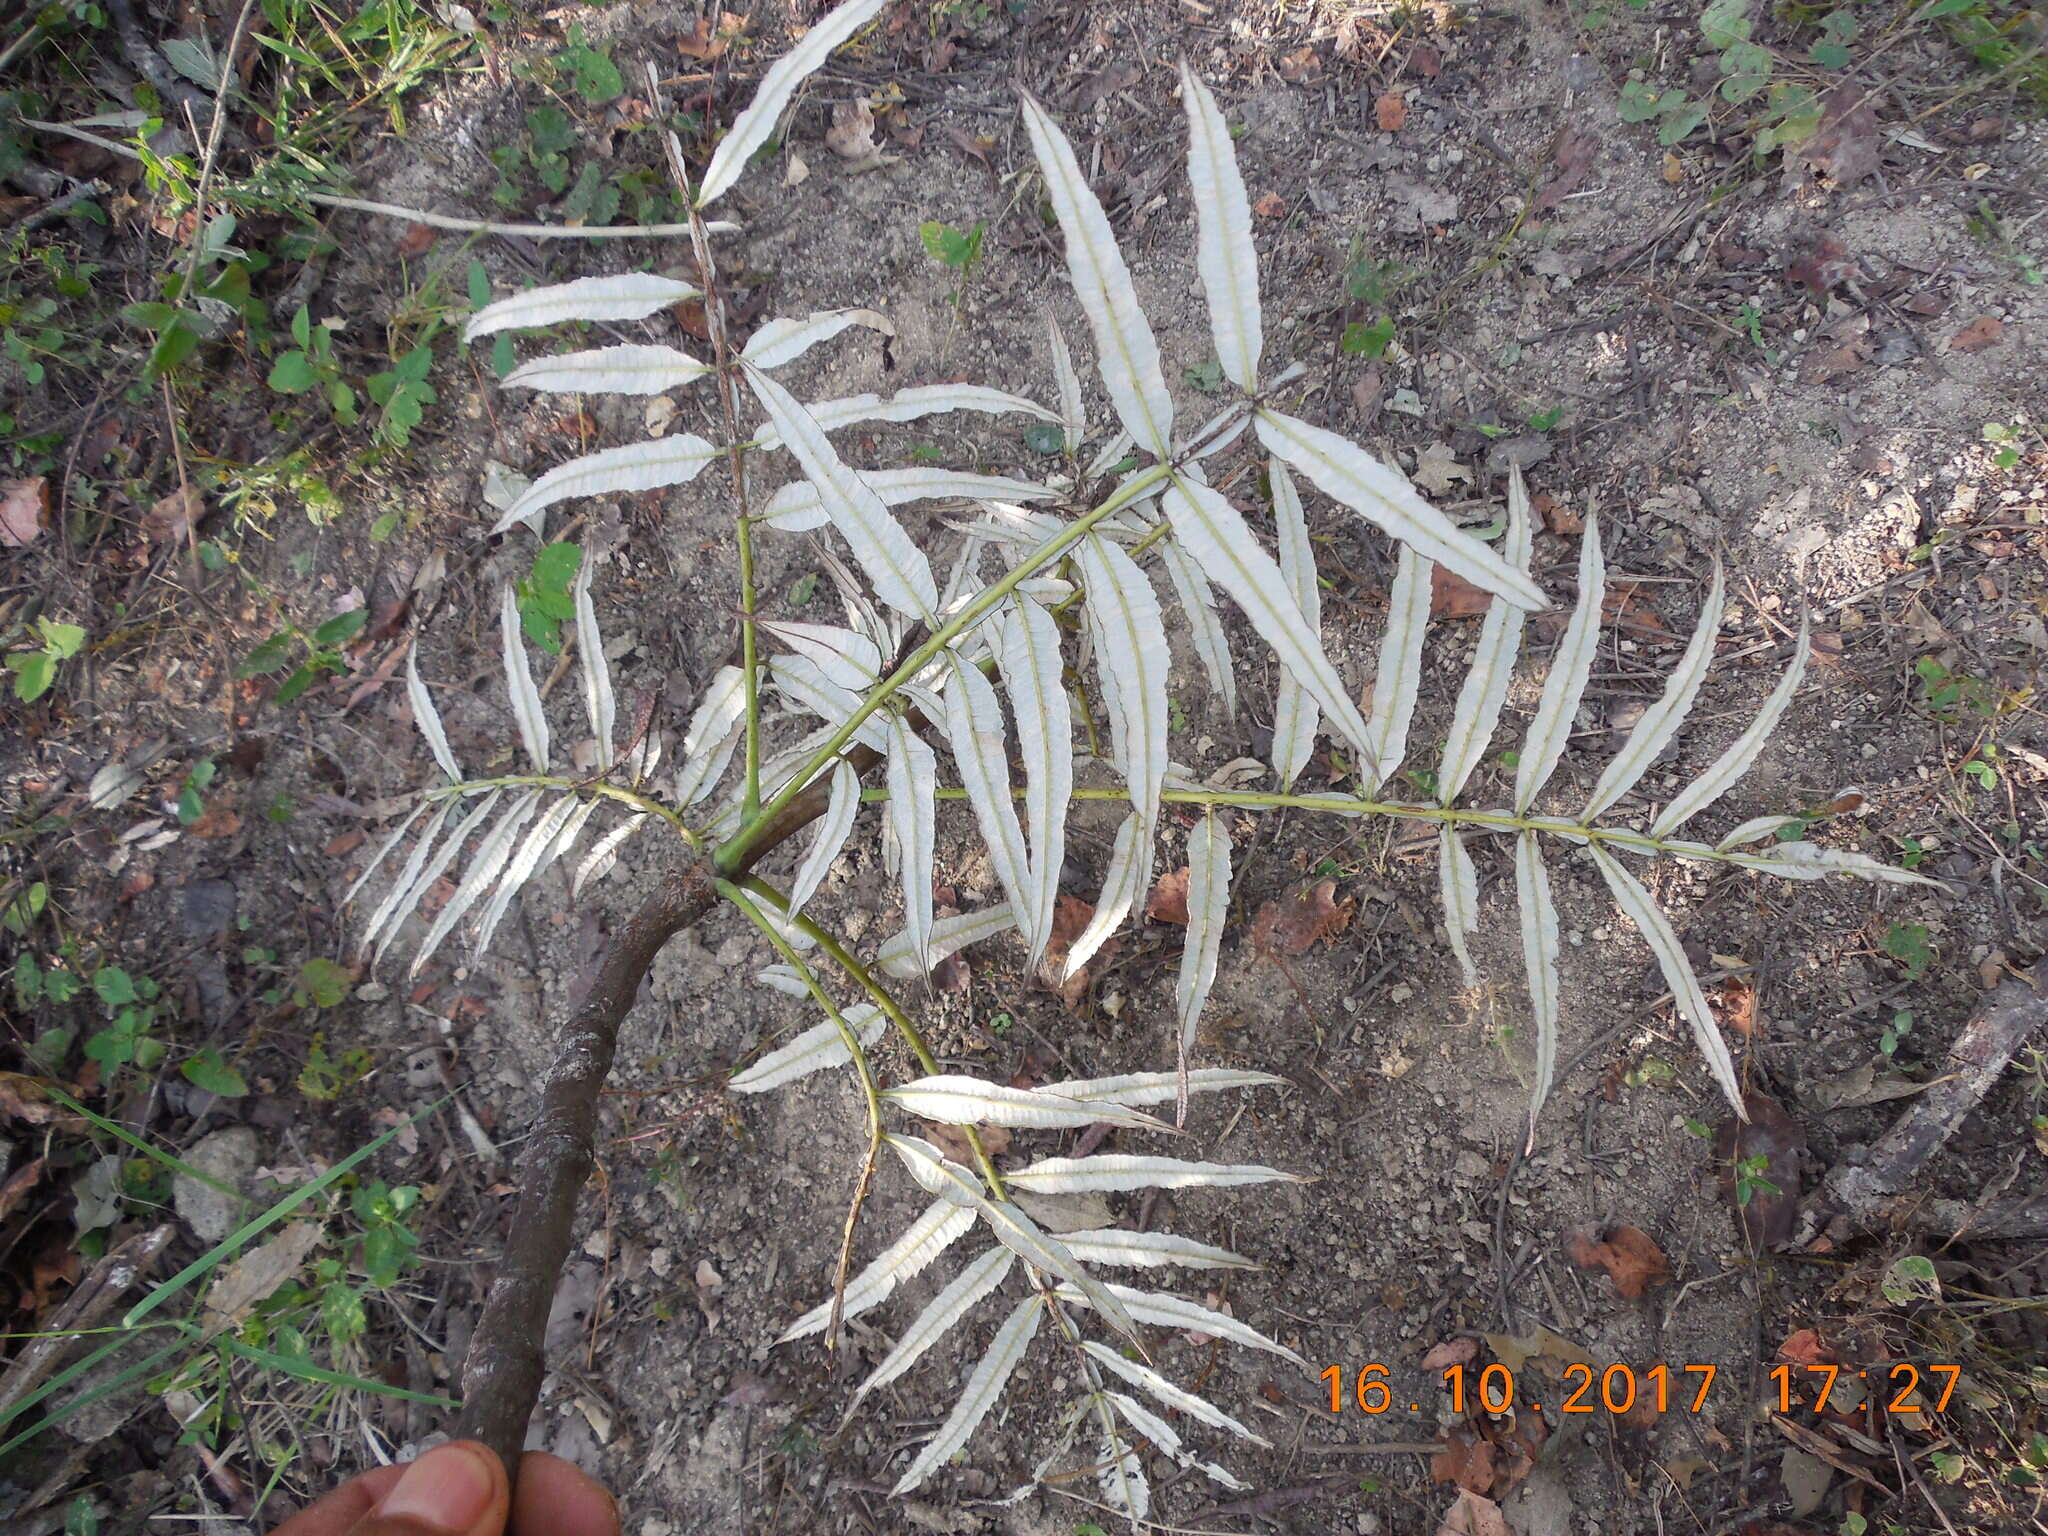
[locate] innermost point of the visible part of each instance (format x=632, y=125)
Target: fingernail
x=447, y=1489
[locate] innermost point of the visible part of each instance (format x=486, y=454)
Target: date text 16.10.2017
x=1900, y=1388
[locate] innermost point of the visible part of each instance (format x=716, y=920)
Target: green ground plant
x=926, y=665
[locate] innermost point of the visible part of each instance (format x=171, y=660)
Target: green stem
x=730, y=854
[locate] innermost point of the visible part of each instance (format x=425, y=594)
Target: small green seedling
x=1900, y=1027
x=35, y=672
x=953, y=248
x=310, y=365
x=1908, y=944
x=1751, y=1178
x=545, y=601
x=403, y=393
x=322, y=653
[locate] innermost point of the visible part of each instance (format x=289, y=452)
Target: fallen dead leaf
x=1836, y=362
x=27, y=1100
x=217, y=821
x=1576, y=149
x=1271, y=205
x=24, y=510
x=1557, y=516
x=1437, y=469
x=1674, y=169
x=1451, y=596
x=1845, y=146
x=1302, y=64
x=255, y=1275
x=1551, y=1353
x=1984, y=331
x=18, y=1185
x=172, y=516
x=708, y=41
x=1735, y=1007
x=417, y=240
x=852, y=134
x=1629, y=612
x=1630, y=1256
x=1070, y=916
x=952, y=1140
x=1805, y=1347
x=1465, y=1459
x=1451, y=1352
x=1683, y=1472
x=1473, y=1515
x=1427, y=61
x=1824, y=265
x=1768, y=1151
x=1291, y=925
x=1169, y=900
x=1390, y=111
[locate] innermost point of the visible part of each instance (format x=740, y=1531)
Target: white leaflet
x=1756, y=830
x=1493, y=662
x=598, y=704
x=851, y=660
x=1122, y=1474
x=1109, y=1172
x=1131, y=663
x=901, y=575
x=913, y=780
x=1459, y=882
x=954, y=1100
x=803, y=682
x=1149, y=1380
x=1028, y=656
x=1127, y=878
x=408, y=874
x=491, y=857
x=384, y=851
x=1012, y=1228
x=645, y=466
x=966, y=1289
x=1208, y=907
x=1113, y=453
x=424, y=881
x=1164, y=1310
x=830, y=836
x=1224, y=254
x=1126, y=353
x=566, y=838
x=1551, y=726
x=813, y=1050
x=631, y=296
x=1735, y=762
x=1295, y=717
x=1158, y=1087
x=1644, y=912
x=1808, y=861
x=605, y=854
x=1399, y=680
x=621, y=370
x=1539, y=955
x=1166, y=1438
x=795, y=508
x=1149, y=1250
x=909, y=405
x=524, y=865
x=941, y=1225
x=783, y=977
x=1073, y=408
x=984, y=1385
x=428, y=719
x=709, y=737
x=1660, y=722
x=949, y=935
x=755, y=126
x=526, y=705
x=784, y=340
x=1213, y=532
x=1218, y=433
x=974, y=726
x=1205, y=629
x=1345, y=472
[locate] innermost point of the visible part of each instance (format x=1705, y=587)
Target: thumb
x=459, y=1489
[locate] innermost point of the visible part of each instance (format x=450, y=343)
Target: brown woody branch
x=507, y=1360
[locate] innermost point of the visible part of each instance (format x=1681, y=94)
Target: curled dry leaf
x=1735, y=1006
x=1271, y=205
x=1449, y=1353
x=708, y=41
x=1630, y=1256
x=1451, y=596
x=1293, y=924
x=173, y=516
x=1071, y=917
x=852, y=134
x=1168, y=902
x=1984, y=331
x=1577, y=147
x=1473, y=1515
x=24, y=510
x=1465, y=1459
x=1845, y=147
x=1390, y=111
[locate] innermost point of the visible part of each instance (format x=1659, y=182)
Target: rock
x=228, y=1157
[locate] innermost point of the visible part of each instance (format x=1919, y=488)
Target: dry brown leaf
x=1390, y=111
x=24, y=510
x=1674, y=169
x=1271, y=205
x=1302, y=64
x=1805, y=1347
x=27, y=1100
x=1984, y=331
x=1735, y=1007
x=1575, y=151
x=1474, y=1515
x=1427, y=61
x=1845, y=147
x=1825, y=367
x=1630, y=1256
x=173, y=516
x=707, y=41
x=253, y=1276
x=1451, y=1352
x=417, y=240
x=1683, y=1472
x=1070, y=916
x=1451, y=596
x=1557, y=516
x=217, y=821
x=1465, y=1460
x=1767, y=1150
x=1550, y=1352
x=852, y=134
x=1169, y=899
x=1291, y=925
x=17, y=1187
x=1626, y=610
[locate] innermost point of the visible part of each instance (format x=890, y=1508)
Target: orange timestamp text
x=1622, y=1389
